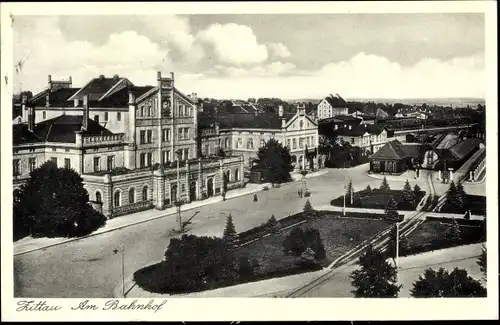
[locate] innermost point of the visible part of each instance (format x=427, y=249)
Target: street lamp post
x=397, y=252
x=122, y=251
x=343, y=208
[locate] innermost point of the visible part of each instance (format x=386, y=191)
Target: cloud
x=279, y=50
x=234, y=44
x=270, y=69
x=362, y=76
x=45, y=51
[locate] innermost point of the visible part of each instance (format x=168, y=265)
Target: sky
x=280, y=55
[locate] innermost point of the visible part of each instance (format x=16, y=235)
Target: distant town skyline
x=240, y=56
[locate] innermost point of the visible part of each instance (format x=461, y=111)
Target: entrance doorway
x=210, y=187
x=192, y=191
x=173, y=193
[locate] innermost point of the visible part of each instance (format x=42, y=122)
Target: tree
x=453, y=232
x=481, y=261
x=448, y=285
x=417, y=190
x=54, y=203
x=230, y=237
x=391, y=211
x=349, y=192
x=384, y=186
x=276, y=161
x=308, y=209
x=376, y=278
x=368, y=188
x=461, y=193
x=408, y=196
x=454, y=202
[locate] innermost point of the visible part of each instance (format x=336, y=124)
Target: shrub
x=307, y=193
x=299, y=240
x=192, y=263
x=368, y=188
x=245, y=269
x=265, y=188
x=417, y=190
x=273, y=225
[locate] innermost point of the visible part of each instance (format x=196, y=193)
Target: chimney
x=76, y=101
x=85, y=119
x=194, y=97
x=336, y=127
x=101, y=77
x=70, y=81
x=350, y=127
x=47, y=99
x=280, y=111
x=131, y=97
x=256, y=113
x=49, y=82
x=24, y=99
x=31, y=118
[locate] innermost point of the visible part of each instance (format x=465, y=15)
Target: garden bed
x=377, y=199
x=339, y=235
x=431, y=235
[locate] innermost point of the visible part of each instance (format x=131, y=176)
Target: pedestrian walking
x=224, y=196
x=255, y=199
x=298, y=193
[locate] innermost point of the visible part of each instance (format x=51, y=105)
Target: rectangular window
x=150, y=159
x=32, y=164
x=301, y=142
x=179, y=132
x=66, y=150
x=54, y=160
x=111, y=162
x=67, y=163
x=142, y=160
x=353, y=140
x=118, y=116
x=44, y=115
x=186, y=133
x=226, y=143
x=186, y=154
x=106, y=115
x=165, y=156
x=250, y=144
x=288, y=144
x=96, y=118
x=150, y=136
x=165, y=135
x=262, y=142
x=97, y=167
x=54, y=149
x=294, y=144
x=207, y=150
x=142, y=137
x=16, y=167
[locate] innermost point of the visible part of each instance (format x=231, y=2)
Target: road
x=89, y=268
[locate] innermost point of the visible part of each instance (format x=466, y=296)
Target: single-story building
x=394, y=158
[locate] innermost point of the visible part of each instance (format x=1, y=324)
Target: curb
x=219, y=199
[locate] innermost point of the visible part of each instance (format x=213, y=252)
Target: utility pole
x=343, y=209
x=122, y=251
x=397, y=252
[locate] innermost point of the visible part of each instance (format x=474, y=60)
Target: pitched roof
x=120, y=98
x=243, y=120
x=395, y=150
x=59, y=129
x=448, y=141
x=98, y=87
x=464, y=148
x=57, y=98
x=336, y=101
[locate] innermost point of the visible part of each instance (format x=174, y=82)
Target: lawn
x=431, y=235
x=377, y=199
x=338, y=234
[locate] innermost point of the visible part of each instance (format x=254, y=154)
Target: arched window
x=145, y=193
x=98, y=197
x=117, y=199
x=236, y=175
x=131, y=195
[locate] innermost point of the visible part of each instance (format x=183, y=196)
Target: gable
x=294, y=122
